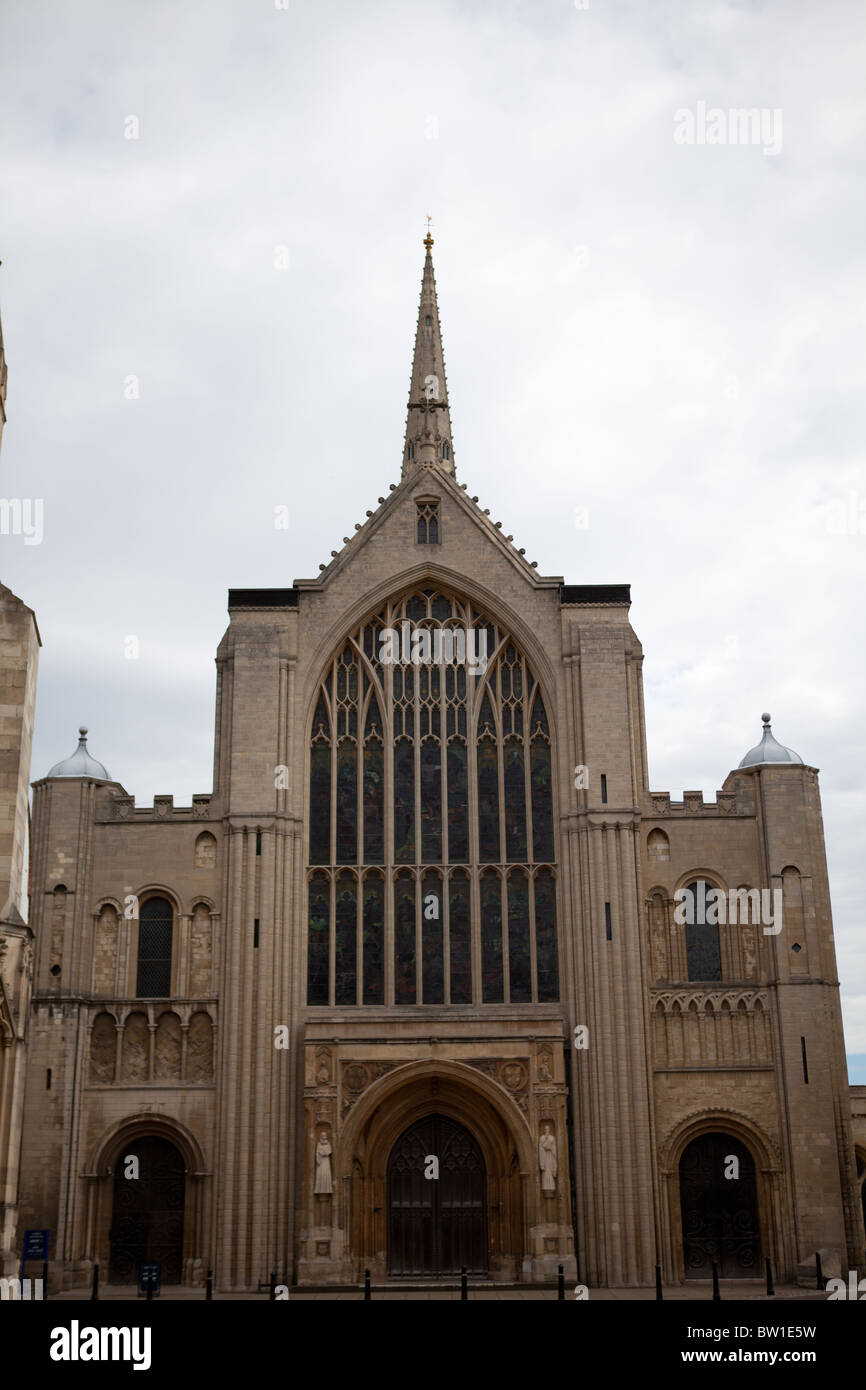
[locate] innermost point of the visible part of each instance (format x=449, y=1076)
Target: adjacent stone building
x=19, y=660
x=409, y=991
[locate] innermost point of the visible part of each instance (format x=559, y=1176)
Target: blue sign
x=148, y=1277
x=35, y=1245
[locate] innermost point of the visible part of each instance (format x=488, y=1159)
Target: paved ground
x=697, y=1292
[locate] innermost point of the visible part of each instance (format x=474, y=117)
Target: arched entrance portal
x=437, y=1213
x=147, y=1212
x=719, y=1205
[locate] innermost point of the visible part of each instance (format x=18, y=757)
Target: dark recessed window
x=410, y=451
x=428, y=523
x=603, y=788
x=703, y=954
x=155, y=929
x=446, y=452
x=607, y=923
x=428, y=322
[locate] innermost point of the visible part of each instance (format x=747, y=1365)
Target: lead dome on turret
x=80, y=763
x=769, y=750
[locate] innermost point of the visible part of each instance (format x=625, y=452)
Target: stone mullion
x=496, y=705
x=506, y=954
x=527, y=768
x=443, y=767
x=359, y=937
x=332, y=935
x=443, y=824
x=472, y=707
x=419, y=936
x=533, y=956
x=388, y=827
x=335, y=750
x=446, y=937
x=363, y=704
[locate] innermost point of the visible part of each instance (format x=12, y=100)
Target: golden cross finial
x=428, y=240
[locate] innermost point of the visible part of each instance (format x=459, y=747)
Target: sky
x=211, y=223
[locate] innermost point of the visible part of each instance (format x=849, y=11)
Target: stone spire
x=428, y=425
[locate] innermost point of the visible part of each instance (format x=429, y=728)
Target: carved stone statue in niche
x=323, y=1075
x=544, y=1073
x=547, y=1160
x=323, y=1183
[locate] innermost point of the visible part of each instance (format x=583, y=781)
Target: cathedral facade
x=428, y=981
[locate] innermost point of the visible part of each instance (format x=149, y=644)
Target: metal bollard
x=208, y=1286
x=149, y=1293
x=819, y=1273
x=716, y=1294
x=367, y=1291
x=771, y=1292
x=560, y=1285
x=94, y=1296
x=463, y=1292
x=659, y=1295
x=273, y=1292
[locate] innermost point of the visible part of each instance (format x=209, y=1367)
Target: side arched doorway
x=437, y=1201
x=147, y=1214
x=719, y=1208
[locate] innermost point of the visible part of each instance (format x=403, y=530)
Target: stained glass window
x=317, y=930
x=427, y=710
x=404, y=938
x=461, y=946
x=374, y=939
x=545, y=936
x=519, y=954
x=431, y=939
x=345, y=974
x=491, y=937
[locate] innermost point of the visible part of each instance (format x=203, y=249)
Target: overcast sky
x=669, y=335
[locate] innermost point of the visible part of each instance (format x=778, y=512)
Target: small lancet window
x=446, y=452
x=428, y=523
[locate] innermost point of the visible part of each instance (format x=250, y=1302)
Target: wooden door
x=719, y=1213
x=436, y=1225
x=147, y=1216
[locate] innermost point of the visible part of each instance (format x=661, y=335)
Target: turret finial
x=428, y=240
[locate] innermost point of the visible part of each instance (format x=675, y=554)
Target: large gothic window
x=432, y=875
